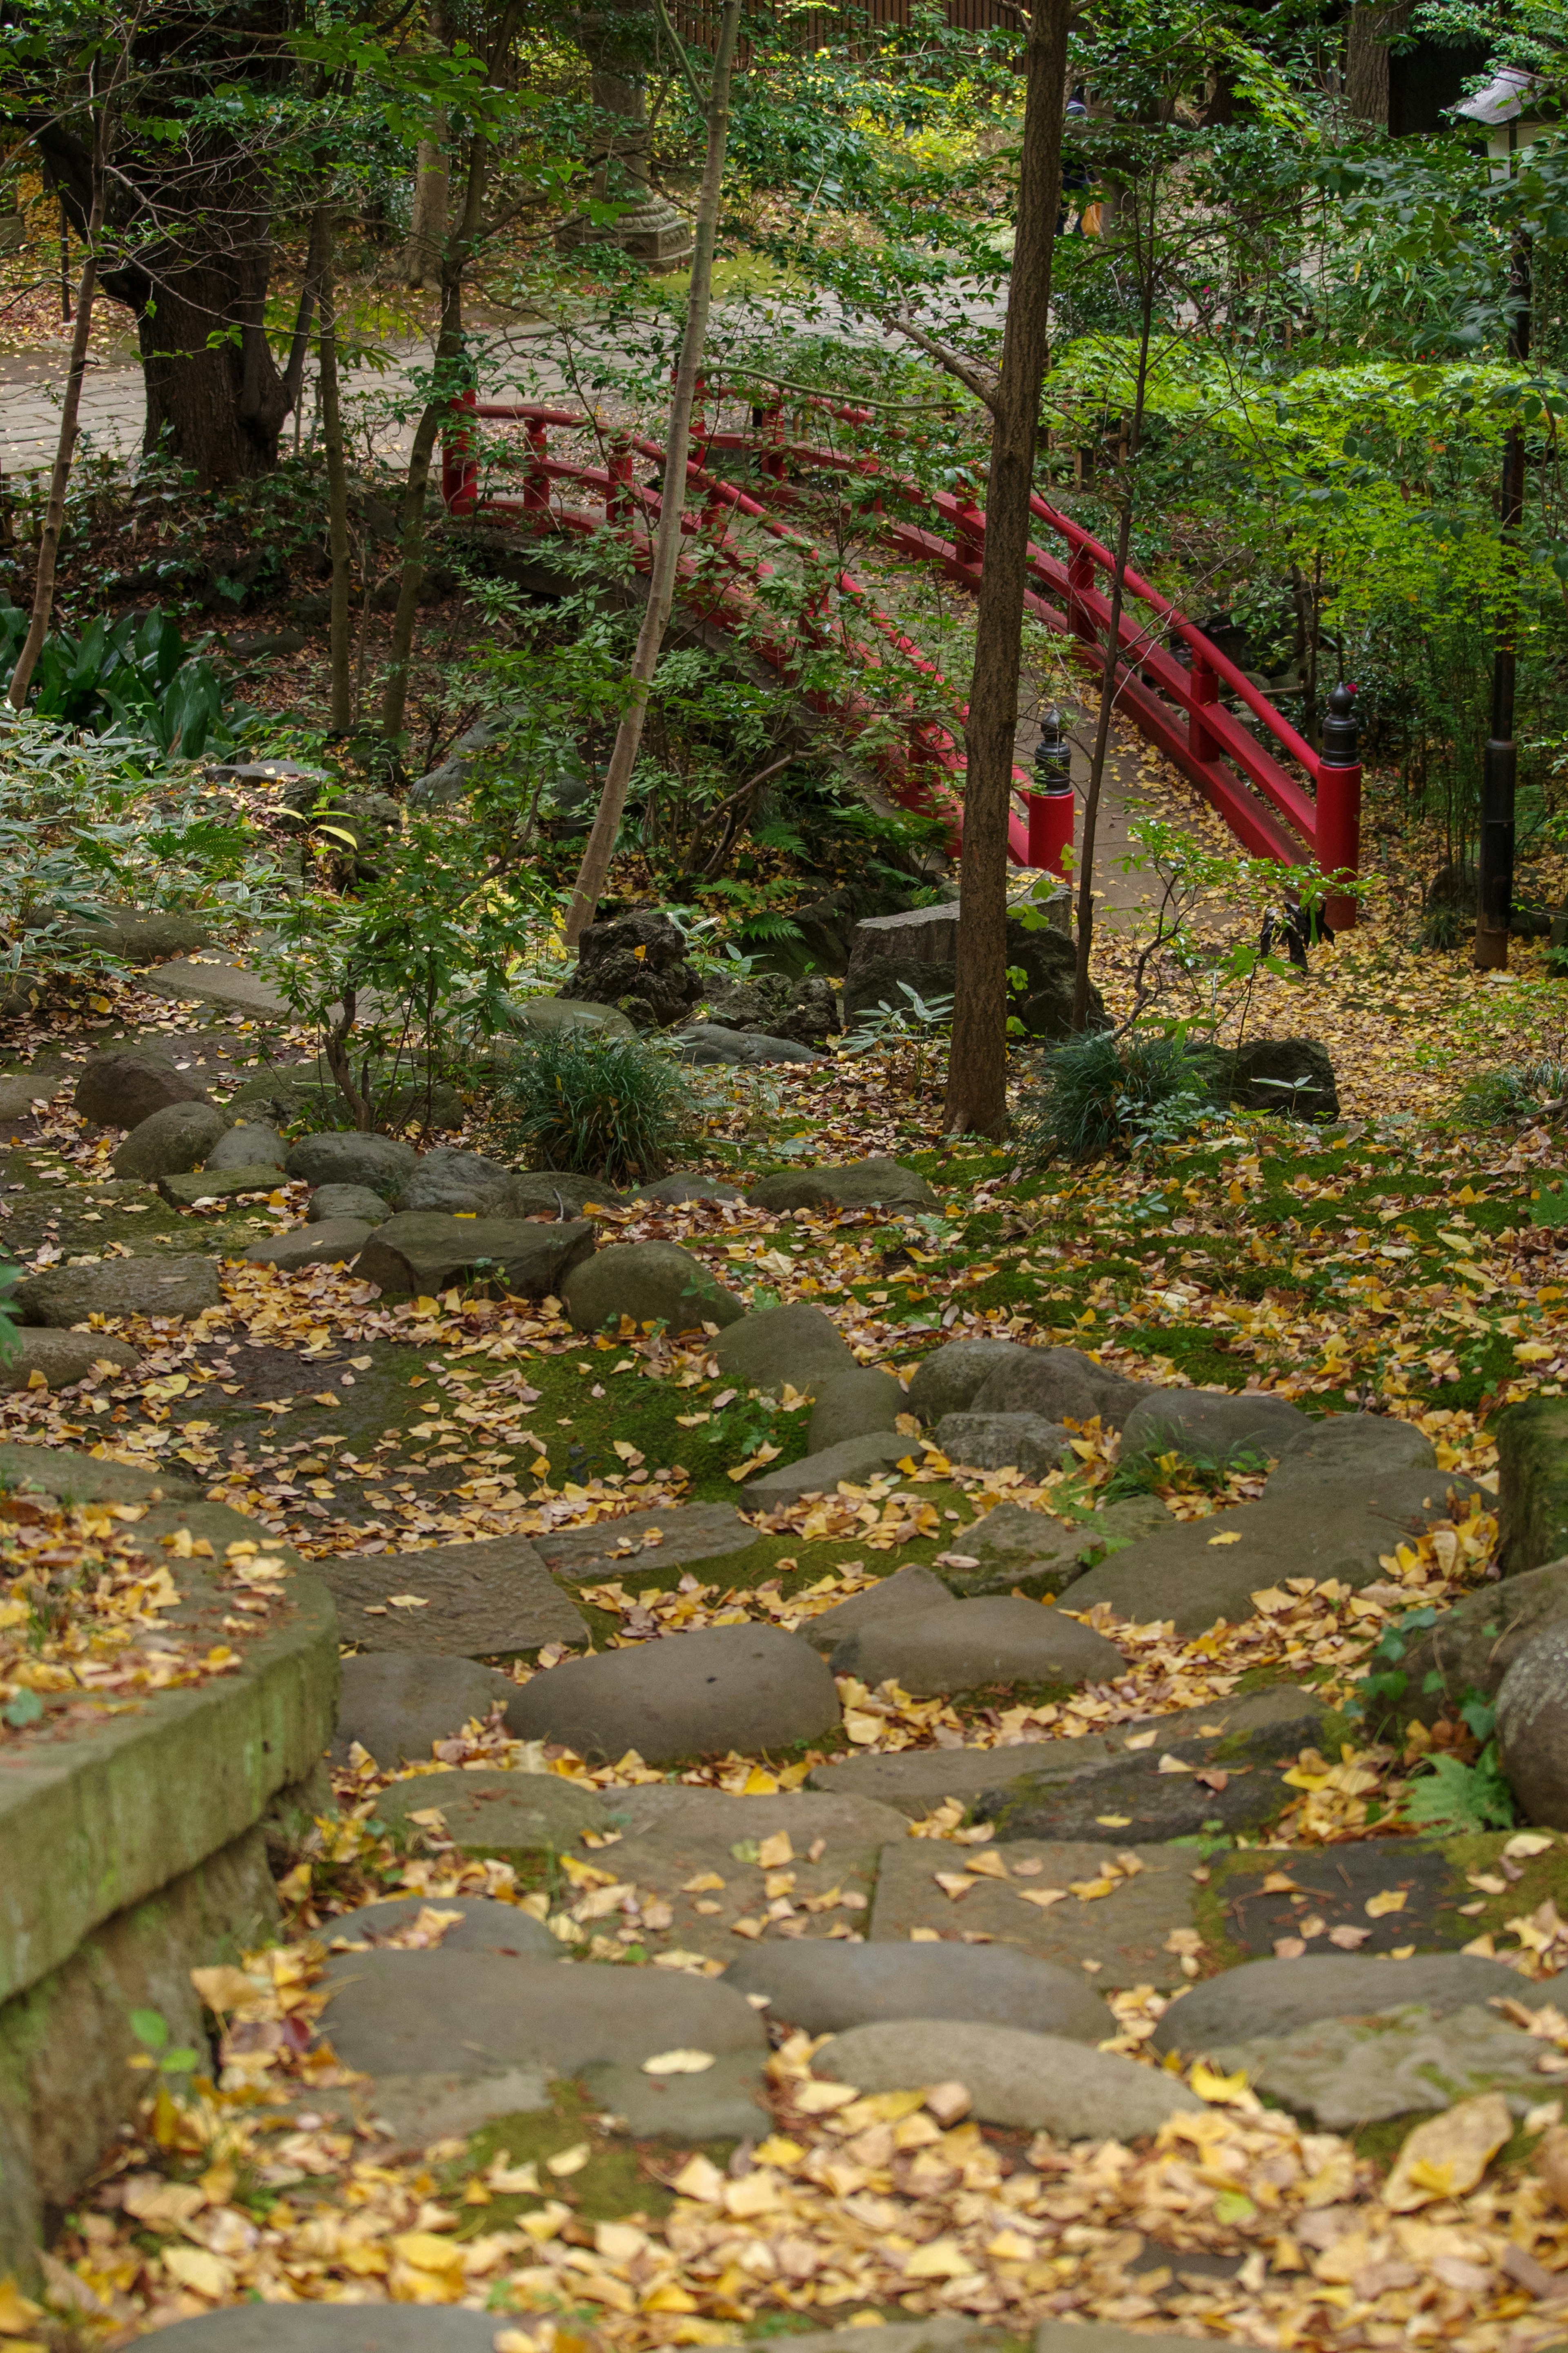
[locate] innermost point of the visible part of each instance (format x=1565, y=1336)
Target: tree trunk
x=54, y=514
x=601, y=846
x=427, y=229
x=1367, y=57
x=977, y=1100
x=337, y=492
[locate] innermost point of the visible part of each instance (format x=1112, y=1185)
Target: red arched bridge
x=1280, y=798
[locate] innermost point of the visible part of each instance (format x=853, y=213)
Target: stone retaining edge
x=110, y=1816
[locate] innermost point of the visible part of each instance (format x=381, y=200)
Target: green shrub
x=595, y=1106
x=136, y=676
x=1502, y=1098
x=1108, y=1093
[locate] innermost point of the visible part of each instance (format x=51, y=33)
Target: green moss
x=615, y=2186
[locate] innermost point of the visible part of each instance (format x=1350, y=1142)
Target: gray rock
x=422, y=1252
x=126, y=1084
x=395, y=1703
x=890, y=985
x=826, y=1987
x=17, y=1095
x=170, y=1141
x=384, y=1163
x=482, y=1600
x=1059, y=1385
x=395, y=2013
x=853, y=1403
x=1217, y=1425
x=1268, y=1999
x=770, y=1005
x=798, y=1345
x=726, y=2102
x=458, y=1181
x=547, y=1017
x=219, y=1185
x=1036, y=2083
x=693, y=1694
x=119, y=1286
x=1047, y=958
x=141, y=936
x=247, y=1145
x=1180, y=1574
x=1000, y=1441
x=1099, y=2337
x=966, y=1645
x=1033, y=1554
x=335, y=1242
x=1344, y=2073
x=856, y=1461
x=667, y=1537
x=62, y=1359
x=1349, y=1445
x=922, y=935
x=335, y=2328
x=1532, y=1728
x=485, y=1927
x=707, y=1042
x=557, y=1193
x=653, y=1283
x=1472, y=1646
x=217, y=981
x=875, y=1184
x=909, y=1592
x=84, y=1479
x=638, y=962
x=949, y=1378
x=508, y=1815
x=329, y=1202
x=453, y=778
x=943, y=2333
x=1292, y=1076
x=680, y=1190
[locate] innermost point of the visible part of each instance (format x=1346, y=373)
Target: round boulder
x=395, y=1703
x=357, y=1201
x=1059, y=1385
x=949, y=1378
x=825, y=1985
x=1532, y=1728
x=384, y=1163
x=853, y=1401
x=172, y=1141
x=799, y=1345
x=696, y=1695
x=875, y=1184
x=1214, y=1422
x=653, y=1283
x=249, y=1144
x=122, y=1087
x=459, y=1182
x=1001, y=1442
x=62, y=1358
x=1036, y=2082
x=965, y=1644
x=119, y=1286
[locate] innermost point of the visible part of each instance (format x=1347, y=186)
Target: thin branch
x=676, y=43
x=944, y=358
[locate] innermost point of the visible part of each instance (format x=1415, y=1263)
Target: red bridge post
x=969, y=531
x=536, y=481
x=1339, y=804
x=460, y=467
x=1080, y=579
x=1201, y=742
x=618, y=498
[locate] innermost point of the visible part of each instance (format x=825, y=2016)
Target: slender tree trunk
x=337, y=491
x=448, y=352
x=601, y=846
x=310, y=293
x=1118, y=598
x=977, y=1100
x=1367, y=77
x=65, y=449
x=427, y=229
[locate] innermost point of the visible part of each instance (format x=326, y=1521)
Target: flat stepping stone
x=62, y=1359
x=384, y=1163
x=1100, y=2336
x=1003, y=1441
x=470, y=1601
x=1215, y=1424
x=408, y=2014
x=1121, y=1922
x=710, y=1873
x=1036, y=2083
x=827, y=1988
x=875, y=1184
x=724, y=2102
x=947, y=2332
x=1184, y=1576
x=1333, y=1886
x=485, y=1927
x=1015, y=1550
x=966, y=1645
x=653, y=1283
x=83, y=1479
x=332, y=1241
x=216, y=980
x=691, y=1695
x=184, y=1192
x=163, y=1286
x=669, y=1538
x=1343, y=2072
x=1269, y=2000
x=782, y=1344
x=512, y=1816
x=333, y=2328
x=395, y=1703
x=906, y=1594
x=856, y=1462
x=422, y=1252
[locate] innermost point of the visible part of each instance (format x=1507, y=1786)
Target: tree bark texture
x=337, y=494
x=427, y=229
x=601, y=844
x=1367, y=82
x=65, y=449
x=976, y=1101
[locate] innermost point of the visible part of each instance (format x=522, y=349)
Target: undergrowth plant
x=1104, y=1093
x=1504, y=1098
x=594, y=1106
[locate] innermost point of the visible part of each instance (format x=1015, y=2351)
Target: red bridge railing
x=1292, y=818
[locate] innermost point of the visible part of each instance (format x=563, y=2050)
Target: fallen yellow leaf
x=1447, y=2156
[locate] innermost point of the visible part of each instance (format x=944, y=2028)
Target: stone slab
x=1036, y=2082
x=826, y=1987
x=412, y=2013
x=84, y=1478
x=724, y=2102
x=671, y=1537
x=512, y=1816
x=333, y=2328
x=1335, y=1885
x=706, y=1692
x=396, y=1703
x=485, y=1927
x=1124, y=1931
x=172, y=1286
x=1271, y=1999
x=854, y=1462
x=1344, y=2073
x=482, y=1600
x=262, y=1177
x=216, y=980
x=970, y=1645
x=329, y=1241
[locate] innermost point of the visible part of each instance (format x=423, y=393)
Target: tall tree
x=601, y=844
x=977, y=1100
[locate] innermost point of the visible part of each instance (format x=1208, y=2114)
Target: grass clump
x=593, y=1106
x=1104, y=1093
x=1503, y=1098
